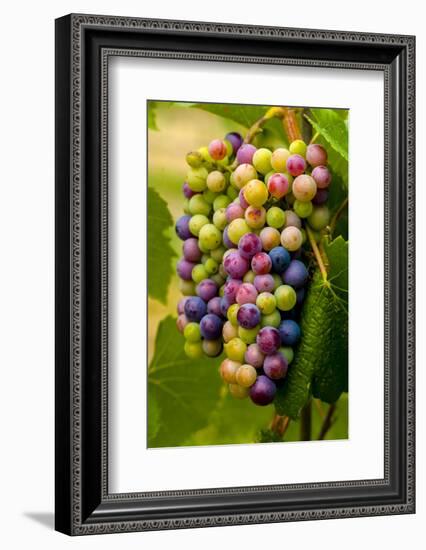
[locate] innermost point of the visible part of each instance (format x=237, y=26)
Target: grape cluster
x=243, y=272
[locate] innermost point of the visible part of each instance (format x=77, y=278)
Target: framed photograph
x=234, y=274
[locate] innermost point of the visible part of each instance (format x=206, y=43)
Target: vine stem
x=317, y=253
x=306, y=422
x=328, y=421
x=280, y=424
x=336, y=216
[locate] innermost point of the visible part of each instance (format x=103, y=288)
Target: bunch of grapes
x=243, y=271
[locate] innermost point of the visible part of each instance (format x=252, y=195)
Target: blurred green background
x=187, y=402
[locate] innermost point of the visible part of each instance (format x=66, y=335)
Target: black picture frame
x=83, y=45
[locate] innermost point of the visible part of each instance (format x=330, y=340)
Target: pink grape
x=184, y=269
x=278, y=185
x=217, y=149
x=322, y=176
x=245, y=153
x=316, y=155
x=234, y=211
x=268, y=339
x=230, y=289
x=264, y=283
x=261, y=263
x=191, y=250
x=254, y=356
x=275, y=366
x=249, y=245
x=244, y=204
x=246, y=294
x=296, y=165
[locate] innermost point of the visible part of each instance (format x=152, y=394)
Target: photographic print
x=247, y=228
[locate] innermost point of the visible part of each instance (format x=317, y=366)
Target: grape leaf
x=181, y=391
x=332, y=127
x=246, y=115
x=160, y=252
x=321, y=360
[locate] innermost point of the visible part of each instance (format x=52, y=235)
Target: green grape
x=277, y=280
x=204, y=152
x=249, y=277
x=209, y=196
x=288, y=353
x=271, y=320
x=235, y=349
x=232, y=314
x=232, y=193
x=298, y=147
x=216, y=181
x=285, y=296
x=210, y=237
x=194, y=350
x=219, y=218
x=303, y=209
x=319, y=218
x=256, y=193
x=248, y=335
x=221, y=201
x=217, y=253
x=198, y=205
x=211, y=266
x=192, y=332
x=275, y=217
x=197, y=222
x=194, y=159
x=262, y=160
x=186, y=288
x=199, y=273
x=236, y=229
x=219, y=280
x=197, y=179
x=266, y=303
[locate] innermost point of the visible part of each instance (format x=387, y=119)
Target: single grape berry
x=289, y=332
x=298, y=147
x=261, y=263
x=249, y=245
x=207, y=289
x=192, y=332
x=248, y=335
x=217, y=149
x=278, y=185
x=286, y=298
x=296, y=274
x=234, y=211
x=230, y=289
x=235, y=140
x=256, y=192
x=243, y=203
x=249, y=277
x=275, y=217
x=322, y=176
x=246, y=376
x=196, y=179
x=264, y=283
x=316, y=155
x=235, y=349
x=246, y=294
x=195, y=308
x=210, y=237
x=211, y=326
x=288, y=353
x=319, y=218
x=229, y=331
x=187, y=191
x=213, y=306
x=275, y=366
x=270, y=238
x=216, y=181
x=292, y=219
x=194, y=350
x=245, y=153
x=279, y=159
x=248, y=316
x=321, y=197
x=187, y=288
x=243, y=174
x=268, y=340
x=296, y=165
x=303, y=209
x=219, y=219
x=280, y=259
x=199, y=273
x=262, y=160
x=254, y=356
x=181, y=305
x=236, y=229
x=263, y=391
x=228, y=369
x=291, y=238
x=184, y=269
x=221, y=201
x=232, y=313
x=304, y=188
x=212, y=348
x=266, y=303
x=196, y=223
x=182, y=228
x=255, y=217
x=194, y=159
x=191, y=250
x=271, y=320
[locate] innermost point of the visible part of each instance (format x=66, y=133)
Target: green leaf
x=182, y=392
x=160, y=252
x=246, y=115
x=332, y=127
x=321, y=360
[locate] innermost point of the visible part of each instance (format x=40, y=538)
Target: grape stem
x=337, y=215
x=280, y=424
x=317, y=253
x=314, y=138
x=328, y=421
x=291, y=127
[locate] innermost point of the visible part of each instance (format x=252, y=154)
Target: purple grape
x=289, y=332
x=261, y=263
x=322, y=176
x=187, y=191
x=244, y=204
x=246, y=294
x=249, y=245
x=268, y=339
x=264, y=283
x=181, y=305
x=182, y=228
x=245, y=153
x=275, y=366
x=234, y=211
x=263, y=391
x=248, y=316
x=296, y=274
x=235, y=140
x=230, y=290
x=296, y=165
x=226, y=240
x=280, y=258
x=191, y=250
x=235, y=265
x=184, y=269
x=254, y=356
x=321, y=197
x=213, y=306
x=195, y=308
x=211, y=326
x=207, y=289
